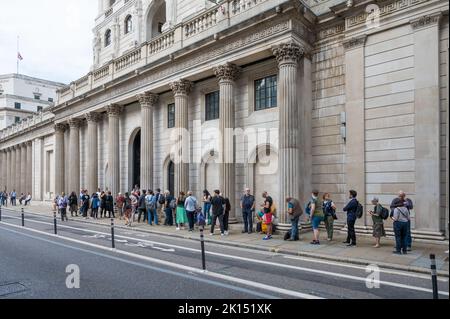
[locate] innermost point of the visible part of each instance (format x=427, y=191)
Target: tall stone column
x=181, y=90
x=3, y=170
x=17, y=175
x=23, y=168
x=60, y=159
x=288, y=56
x=74, y=156
x=148, y=102
x=29, y=168
x=8, y=169
x=227, y=75
x=92, y=151
x=427, y=123
x=114, y=112
x=65, y=168
x=13, y=168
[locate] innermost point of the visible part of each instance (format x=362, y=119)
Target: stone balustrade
x=25, y=124
x=127, y=60
x=161, y=43
x=201, y=22
x=240, y=6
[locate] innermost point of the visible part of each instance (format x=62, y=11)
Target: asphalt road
x=33, y=264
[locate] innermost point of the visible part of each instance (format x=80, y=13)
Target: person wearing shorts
x=317, y=216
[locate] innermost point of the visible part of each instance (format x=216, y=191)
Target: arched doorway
x=171, y=178
x=156, y=18
x=135, y=159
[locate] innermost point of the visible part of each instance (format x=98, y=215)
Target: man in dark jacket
x=402, y=201
x=141, y=206
x=351, y=209
x=294, y=213
x=217, y=203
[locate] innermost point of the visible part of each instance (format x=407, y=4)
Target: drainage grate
x=12, y=288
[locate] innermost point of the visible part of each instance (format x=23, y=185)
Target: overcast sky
x=55, y=37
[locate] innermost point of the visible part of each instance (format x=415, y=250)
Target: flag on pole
x=19, y=56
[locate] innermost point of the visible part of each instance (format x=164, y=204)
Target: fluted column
x=60, y=159
x=114, y=112
x=148, y=102
x=92, y=151
x=288, y=56
x=74, y=156
x=8, y=169
x=3, y=166
x=181, y=90
x=29, y=168
x=23, y=168
x=227, y=75
x=18, y=166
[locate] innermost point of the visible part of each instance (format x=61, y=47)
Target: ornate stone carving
x=426, y=21
x=60, y=127
x=148, y=99
x=288, y=52
x=93, y=117
x=74, y=123
x=227, y=72
x=114, y=110
x=181, y=87
x=354, y=43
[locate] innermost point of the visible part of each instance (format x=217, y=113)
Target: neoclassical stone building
x=329, y=94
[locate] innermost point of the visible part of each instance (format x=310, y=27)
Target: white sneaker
x=178, y=228
x=211, y=234
x=222, y=234
x=227, y=233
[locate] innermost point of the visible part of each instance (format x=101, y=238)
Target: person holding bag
x=329, y=210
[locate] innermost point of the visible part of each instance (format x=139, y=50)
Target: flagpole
x=17, y=55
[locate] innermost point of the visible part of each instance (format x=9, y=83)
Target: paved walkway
x=364, y=253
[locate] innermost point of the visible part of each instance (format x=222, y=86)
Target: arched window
x=107, y=38
x=128, y=24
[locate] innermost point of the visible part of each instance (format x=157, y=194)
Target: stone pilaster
x=288, y=56
x=355, y=169
x=8, y=169
x=181, y=90
x=227, y=75
x=427, y=122
x=148, y=103
x=23, y=168
x=17, y=174
x=29, y=168
x=114, y=112
x=74, y=156
x=60, y=159
x=3, y=167
x=92, y=151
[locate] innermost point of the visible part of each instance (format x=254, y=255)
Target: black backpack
x=162, y=199
x=384, y=213
x=359, y=210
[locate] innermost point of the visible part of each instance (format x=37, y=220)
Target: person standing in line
x=73, y=202
x=168, y=210
x=62, y=206
x=248, y=208
x=110, y=205
x=351, y=209
x=207, y=205
x=120, y=199
x=401, y=218
x=190, y=205
x=267, y=218
x=217, y=203
x=226, y=215
x=317, y=216
x=102, y=204
x=181, y=217
x=329, y=211
x=13, y=197
x=134, y=204
x=159, y=202
x=294, y=213
x=85, y=199
x=377, y=220
x=150, y=207
x=94, y=206
x=128, y=209
x=142, y=207
x=402, y=201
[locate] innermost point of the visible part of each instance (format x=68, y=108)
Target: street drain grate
x=12, y=288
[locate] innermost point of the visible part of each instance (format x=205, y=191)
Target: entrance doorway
x=171, y=178
x=136, y=160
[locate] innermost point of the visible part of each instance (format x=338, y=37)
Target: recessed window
x=37, y=97
x=40, y=108
x=160, y=27
x=16, y=119
x=107, y=38
x=171, y=116
x=17, y=106
x=50, y=99
x=266, y=93
x=212, y=110
x=128, y=24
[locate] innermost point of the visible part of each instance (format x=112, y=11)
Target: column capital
x=227, y=72
x=60, y=127
x=181, y=87
x=148, y=99
x=114, y=110
x=74, y=123
x=288, y=53
x=355, y=42
x=92, y=117
x=426, y=21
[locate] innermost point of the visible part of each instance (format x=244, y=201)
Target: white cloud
x=55, y=37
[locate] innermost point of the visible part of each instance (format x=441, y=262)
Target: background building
x=357, y=96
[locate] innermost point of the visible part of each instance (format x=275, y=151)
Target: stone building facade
x=333, y=95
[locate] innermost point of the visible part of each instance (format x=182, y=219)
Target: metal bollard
x=0, y=212
x=54, y=222
x=112, y=234
x=23, y=218
x=202, y=241
x=434, y=276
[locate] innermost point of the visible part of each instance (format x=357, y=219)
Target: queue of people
x=5, y=196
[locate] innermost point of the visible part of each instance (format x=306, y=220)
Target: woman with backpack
x=169, y=206
x=94, y=206
x=329, y=210
x=377, y=219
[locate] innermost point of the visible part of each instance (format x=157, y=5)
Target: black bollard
x=23, y=218
x=112, y=234
x=0, y=213
x=202, y=241
x=54, y=222
x=434, y=276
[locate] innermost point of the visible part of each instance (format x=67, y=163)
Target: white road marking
x=321, y=272
x=178, y=266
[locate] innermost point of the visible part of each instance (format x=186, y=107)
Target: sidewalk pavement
x=364, y=254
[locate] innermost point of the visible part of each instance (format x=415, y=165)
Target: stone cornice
x=227, y=72
x=148, y=99
x=354, y=43
x=181, y=87
x=288, y=53
x=426, y=21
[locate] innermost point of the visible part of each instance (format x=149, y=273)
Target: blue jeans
x=169, y=217
x=207, y=212
x=294, y=228
x=248, y=220
x=401, y=235
x=408, y=236
x=152, y=216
